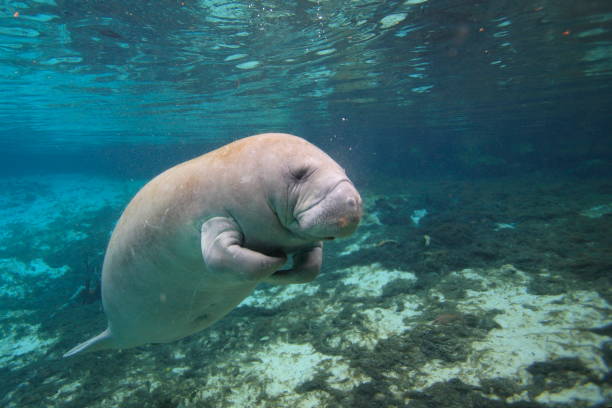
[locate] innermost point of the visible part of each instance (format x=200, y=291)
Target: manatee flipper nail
x=306, y=267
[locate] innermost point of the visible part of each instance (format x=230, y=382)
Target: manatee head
x=322, y=201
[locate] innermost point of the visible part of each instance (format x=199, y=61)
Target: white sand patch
x=48, y=210
x=20, y=345
x=72, y=235
x=15, y=274
x=597, y=211
x=66, y=392
x=19, y=339
x=36, y=267
x=581, y=392
x=239, y=394
x=278, y=369
x=369, y=280
x=59, y=196
x=127, y=386
x=381, y=324
x=276, y=295
x=388, y=322
x=533, y=328
x=179, y=370
x=292, y=364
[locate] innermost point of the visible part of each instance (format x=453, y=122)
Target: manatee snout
x=344, y=210
x=337, y=215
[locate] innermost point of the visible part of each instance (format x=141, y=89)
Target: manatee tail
x=102, y=341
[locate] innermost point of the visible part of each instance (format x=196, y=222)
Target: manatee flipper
x=306, y=267
x=222, y=249
x=102, y=341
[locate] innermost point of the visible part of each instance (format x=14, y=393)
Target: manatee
x=198, y=238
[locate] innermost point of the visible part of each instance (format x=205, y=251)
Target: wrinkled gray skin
x=198, y=238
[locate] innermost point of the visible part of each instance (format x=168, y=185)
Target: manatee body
x=198, y=238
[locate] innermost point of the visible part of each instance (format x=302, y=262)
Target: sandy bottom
x=375, y=329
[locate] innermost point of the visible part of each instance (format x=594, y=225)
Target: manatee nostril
x=354, y=204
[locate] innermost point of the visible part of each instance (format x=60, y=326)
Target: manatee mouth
x=319, y=201
x=337, y=214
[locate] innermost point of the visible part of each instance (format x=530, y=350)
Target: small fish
x=109, y=33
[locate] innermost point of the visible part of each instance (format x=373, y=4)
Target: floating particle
x=39, y=17
x=593, y=32
x=392, y=19
x=422, y=89
x=326, y=51
x=234, y=57
x=19, y=32
x=417, y=215
x=62, y=60
x=248, y=65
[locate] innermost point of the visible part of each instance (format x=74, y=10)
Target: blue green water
x=494, y=117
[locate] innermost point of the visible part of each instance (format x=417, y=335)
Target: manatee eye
x=300, y=173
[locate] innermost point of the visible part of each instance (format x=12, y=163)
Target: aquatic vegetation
x=392, y=321
x=386, y=242
x=448, y=318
